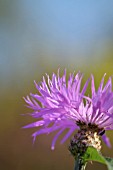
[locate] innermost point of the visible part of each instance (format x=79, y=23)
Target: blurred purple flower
x=63, y=105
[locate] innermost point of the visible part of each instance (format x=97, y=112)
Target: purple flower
x=102, y=104
x=61, y=105
x=57, y=105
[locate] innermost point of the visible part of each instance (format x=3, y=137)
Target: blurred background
x=38, y=37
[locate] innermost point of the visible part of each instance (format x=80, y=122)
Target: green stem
x=79, y=164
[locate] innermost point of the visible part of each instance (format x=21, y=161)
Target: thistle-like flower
x=57, y=105
x=61, y=105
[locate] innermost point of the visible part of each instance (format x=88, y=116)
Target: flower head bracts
x=60, y=102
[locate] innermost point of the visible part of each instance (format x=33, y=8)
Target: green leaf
x=109, y=163
x=93, y=155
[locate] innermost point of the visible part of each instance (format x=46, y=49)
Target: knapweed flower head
x=60, y=105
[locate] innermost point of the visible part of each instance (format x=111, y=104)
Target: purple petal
x=85, y=87
x=106, y=140
x=67, y=135
x=93, y=86
x=55, y=138
x=35, y=124
x=101, y=84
